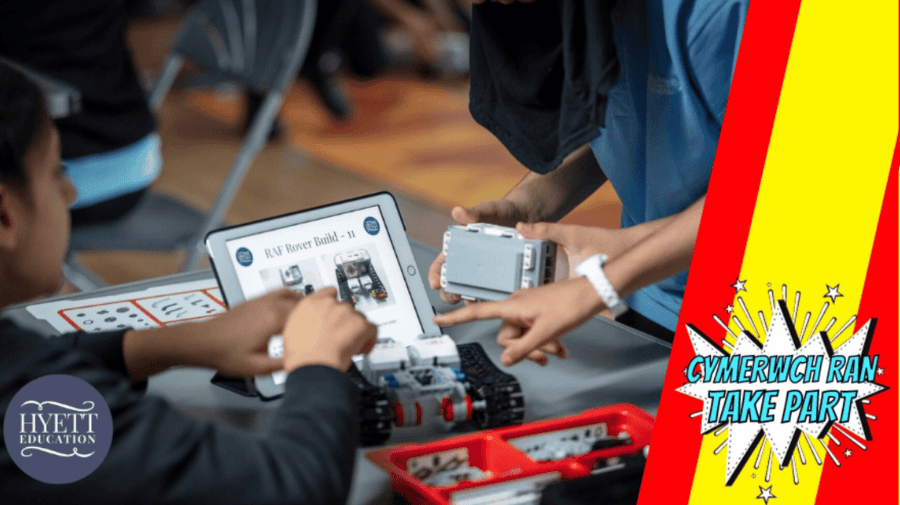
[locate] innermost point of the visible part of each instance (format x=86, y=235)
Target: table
x=609, y=363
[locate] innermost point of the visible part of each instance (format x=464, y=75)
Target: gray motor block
x=489, y=262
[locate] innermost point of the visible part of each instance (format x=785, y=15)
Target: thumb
x=463, y=215
x=553, y=232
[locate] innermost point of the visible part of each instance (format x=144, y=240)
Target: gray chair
x=258, y=43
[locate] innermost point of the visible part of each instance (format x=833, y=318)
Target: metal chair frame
x=222, y=36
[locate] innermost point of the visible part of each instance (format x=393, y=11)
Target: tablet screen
x=351, y=252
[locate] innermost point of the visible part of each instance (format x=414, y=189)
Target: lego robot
x=489, y=262
x=356, y=277
x=403, y=385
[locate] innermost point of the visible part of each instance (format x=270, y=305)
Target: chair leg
x=79, y=276
x=255, y=140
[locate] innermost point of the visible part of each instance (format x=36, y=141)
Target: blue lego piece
x=392, y=381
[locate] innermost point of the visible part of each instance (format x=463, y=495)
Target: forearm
x=663, y=252
x=148, y=352
x=549, y=197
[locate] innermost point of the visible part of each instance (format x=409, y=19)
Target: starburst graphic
x=739, y=286
x=804, y=391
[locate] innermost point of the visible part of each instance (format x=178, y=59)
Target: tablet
x=358, y=246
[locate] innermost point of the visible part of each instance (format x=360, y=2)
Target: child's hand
x=323, y=331
x=236, y=343
x=534, y=319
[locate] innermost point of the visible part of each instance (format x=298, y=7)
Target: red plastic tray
x=502, y=462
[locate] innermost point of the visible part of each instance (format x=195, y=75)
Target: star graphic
x=739, y=285
x=880, y=371
x=684, y=371
x=833, y=293
x=729, y=308
x=765, y=494
x=848, y=453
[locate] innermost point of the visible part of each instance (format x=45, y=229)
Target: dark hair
x=22, y=115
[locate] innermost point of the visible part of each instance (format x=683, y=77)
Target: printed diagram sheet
x=150, y=308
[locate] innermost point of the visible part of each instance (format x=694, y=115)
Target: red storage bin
x=515, y=458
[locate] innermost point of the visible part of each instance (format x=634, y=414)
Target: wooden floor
x=411, y=137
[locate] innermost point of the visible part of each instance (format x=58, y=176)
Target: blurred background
x=381, y=103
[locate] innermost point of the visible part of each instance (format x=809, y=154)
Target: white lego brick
x=441, y=347
x=386, y=357
x=528, y=257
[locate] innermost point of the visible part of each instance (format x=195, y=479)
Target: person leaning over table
x=659, y=118
x=158, y=455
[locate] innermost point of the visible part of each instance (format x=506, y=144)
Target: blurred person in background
x=110, y=148
x=366, y=36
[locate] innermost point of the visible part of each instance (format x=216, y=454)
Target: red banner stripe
x=872, y=473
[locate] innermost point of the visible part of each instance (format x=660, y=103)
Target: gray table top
x=608, y=363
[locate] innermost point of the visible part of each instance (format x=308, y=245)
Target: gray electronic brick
x=489, y=262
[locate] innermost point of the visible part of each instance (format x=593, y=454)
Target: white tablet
x=358, y=246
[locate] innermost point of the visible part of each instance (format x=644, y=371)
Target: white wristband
x=592, y=270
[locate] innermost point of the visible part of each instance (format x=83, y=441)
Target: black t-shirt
x=541, y=74
x=81, y=42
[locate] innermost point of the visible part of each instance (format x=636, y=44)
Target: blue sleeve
x=712, y=52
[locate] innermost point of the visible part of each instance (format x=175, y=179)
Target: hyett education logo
x=244, y=256
x=371, y=225
x=58, y=429
x=781, y=386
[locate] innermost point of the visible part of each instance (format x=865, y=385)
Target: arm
x=534, y=319
x=160, y=456
x=663, y=253
x=233, y=343
x=546, y=197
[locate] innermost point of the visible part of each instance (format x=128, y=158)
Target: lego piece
x=556, y=445
x=489, y=262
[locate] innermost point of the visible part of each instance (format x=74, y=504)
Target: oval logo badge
x=244, y=256
x=371, y=226
x=58, y=429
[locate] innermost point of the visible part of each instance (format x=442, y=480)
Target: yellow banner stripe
x=819, y=201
